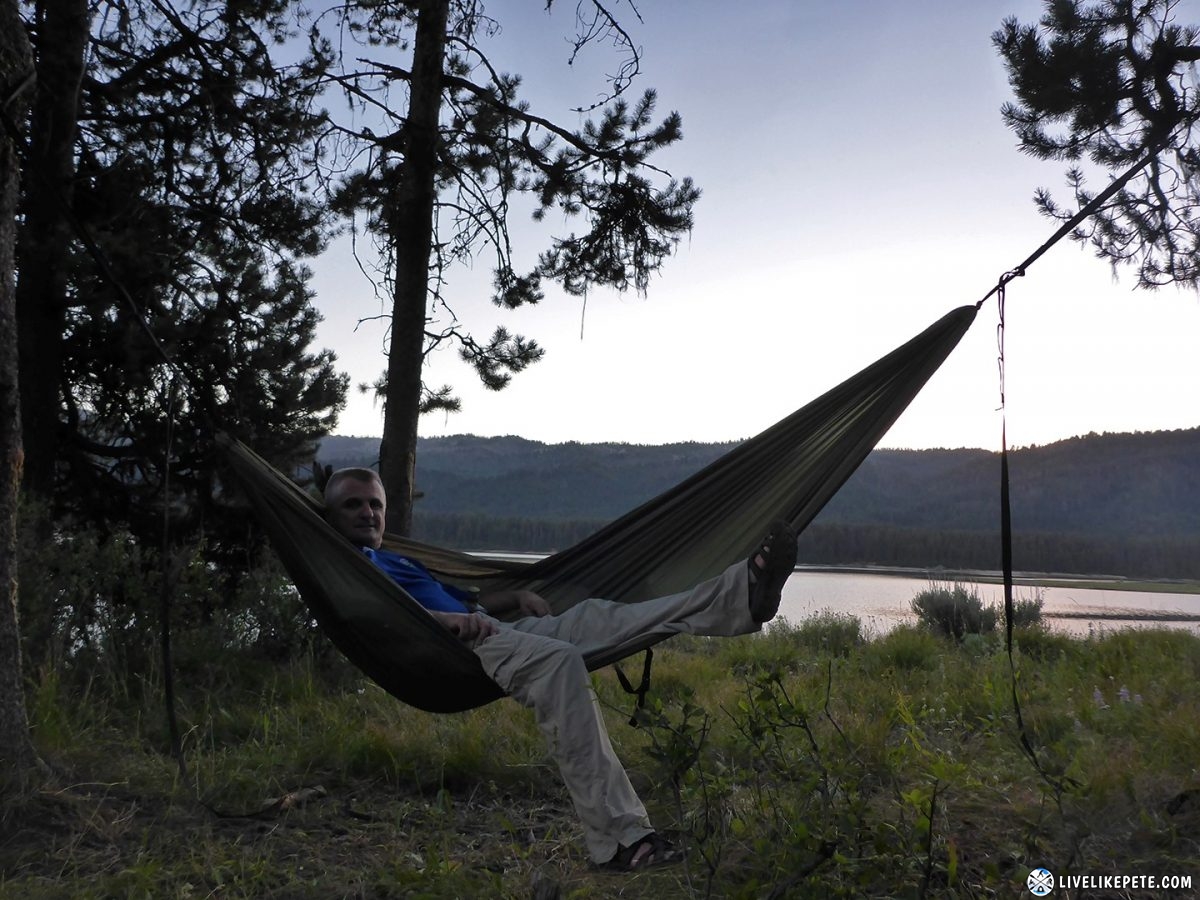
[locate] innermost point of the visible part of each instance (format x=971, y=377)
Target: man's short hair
x=354, y=473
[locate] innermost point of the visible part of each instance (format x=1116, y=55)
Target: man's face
x=357, y=510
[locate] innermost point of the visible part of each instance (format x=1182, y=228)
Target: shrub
x=91, y=607
x=1044, y=645
x=903, y=649
x=953, y=611
x=787, y=647
x=1027, y=611
x=957, y=611
x=89, y=602
x=827, y=632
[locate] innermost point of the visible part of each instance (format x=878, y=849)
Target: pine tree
x=190, y=158
x=1100, y=85
x=437, y=176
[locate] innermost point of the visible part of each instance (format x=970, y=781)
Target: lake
x=881, y=602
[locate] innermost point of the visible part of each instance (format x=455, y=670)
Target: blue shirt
x=419, y=582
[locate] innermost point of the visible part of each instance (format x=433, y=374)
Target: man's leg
x=719, y=607
x=549, y=677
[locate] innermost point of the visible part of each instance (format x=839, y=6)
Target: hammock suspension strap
x=642, y=689
x=1006, y=554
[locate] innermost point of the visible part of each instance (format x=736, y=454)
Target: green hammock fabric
x=691, y=532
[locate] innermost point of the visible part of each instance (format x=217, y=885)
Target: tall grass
x=805, y=761
x=793, y=762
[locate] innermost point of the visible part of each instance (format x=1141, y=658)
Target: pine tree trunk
x=44, y=250
x=411, y=225
x=17, y=757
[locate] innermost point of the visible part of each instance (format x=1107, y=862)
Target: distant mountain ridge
x=517, y=477
x=1102, y=504
x=1139, y=485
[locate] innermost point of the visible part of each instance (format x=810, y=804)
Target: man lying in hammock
x=539, y=659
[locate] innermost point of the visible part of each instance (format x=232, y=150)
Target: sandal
x=770, y=567
x=649, y=852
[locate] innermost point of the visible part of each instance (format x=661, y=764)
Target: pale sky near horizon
x=858, y=183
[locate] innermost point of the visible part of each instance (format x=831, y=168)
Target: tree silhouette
x=17, y=757
x=170, y=201
x=1101, y=86
x=440, y=153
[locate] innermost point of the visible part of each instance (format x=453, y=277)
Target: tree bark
x=17, y=757
x=45, y=244
x=411, y=226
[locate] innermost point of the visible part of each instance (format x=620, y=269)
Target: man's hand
x=526, y=602
x=467, y=627
x=531, y=604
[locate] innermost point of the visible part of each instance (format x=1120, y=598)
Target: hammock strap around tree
x=690, y=533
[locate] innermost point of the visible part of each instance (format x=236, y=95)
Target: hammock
x=688, y=534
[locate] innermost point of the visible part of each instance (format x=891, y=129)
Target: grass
x=803, y=762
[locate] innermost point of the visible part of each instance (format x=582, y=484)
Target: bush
x=903, y=649
x=1045, y=645
x=827, y=632
x=1027, y=611
x=91, y=607
x=953, y=611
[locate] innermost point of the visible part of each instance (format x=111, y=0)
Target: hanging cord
x=1005, y=501
x=1006, y=556
x=641, y=689
x=1006, y=524
x=167, y=589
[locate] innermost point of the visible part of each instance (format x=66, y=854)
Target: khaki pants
x=540, y=663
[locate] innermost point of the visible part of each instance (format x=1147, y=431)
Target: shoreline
x=1024, y=579
x=938, y=574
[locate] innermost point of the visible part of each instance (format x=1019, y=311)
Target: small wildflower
x=1123, y=694
x=1098, y=698
x=1137, y=699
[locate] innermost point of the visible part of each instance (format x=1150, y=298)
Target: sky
x=858, y=183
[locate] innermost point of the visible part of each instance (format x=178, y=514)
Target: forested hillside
x=1124, y=504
